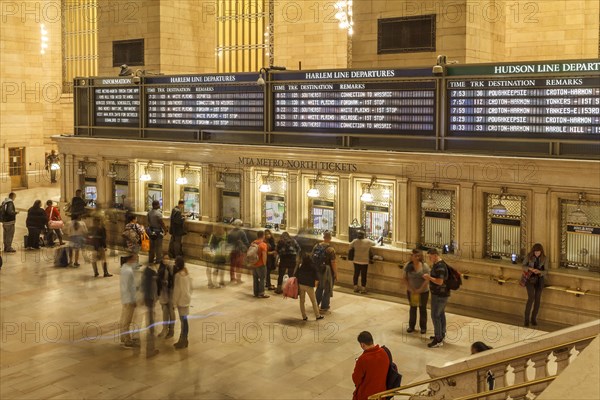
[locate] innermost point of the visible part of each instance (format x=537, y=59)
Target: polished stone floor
x=60, y=338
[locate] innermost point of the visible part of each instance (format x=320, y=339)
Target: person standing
x=216, y=266
x=52, y=162
x=439, y=296
x=77, y=205
x=133, y=234
x=238, y=242
x=127, y=284
x=259, y=271
x=535, y=264
x=307, y=276
x=36, y=222
x=323, y=258
x=165, y=297
x=176, y=230
x=98, y=242
x=271, y=257
x=53, y=214
x=156, y=227
x=362, y=247
x=371, y=368
x=182, y=298
x=150, y=290
x=9, y=217
x=417, y=290
x=77, y=231
x=287, y=250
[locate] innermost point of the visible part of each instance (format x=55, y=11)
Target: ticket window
x=154, y=191
x=229, y=186
x=273, y=189
x=191, y=200
x=376, y=211
x=322, y=205
x=120, y=185
x=90, y=192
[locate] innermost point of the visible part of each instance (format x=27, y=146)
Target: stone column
x=343, y=205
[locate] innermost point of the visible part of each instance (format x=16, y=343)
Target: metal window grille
x=580, y=242
x=506, y=234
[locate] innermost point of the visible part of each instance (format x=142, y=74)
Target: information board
x=206, y=102
x=525, y=100
x=350, y=102
x=116, y=105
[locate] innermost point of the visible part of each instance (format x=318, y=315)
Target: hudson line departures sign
x=355, y=101
x=525, y=100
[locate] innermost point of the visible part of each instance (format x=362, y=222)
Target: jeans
x=438, y=315
x=185, y=328
x=9, y=234
x=155, y=253
x=360, y=270
x=534, y=296
x=271, y=261
x=412, y=321
x=323, y=295
x=175, y=246
x=259, y=274
x=168, y=316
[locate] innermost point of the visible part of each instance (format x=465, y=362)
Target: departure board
x=116, y=105
x=335, y=102
x=206, y=102
x=522, y=106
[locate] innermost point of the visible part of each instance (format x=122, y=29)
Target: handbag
x=525, y=278
x=145, y=245
x=52, y=224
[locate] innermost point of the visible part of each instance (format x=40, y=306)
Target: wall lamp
x=183, y=180
x=577, y=216
x=264, y=72
x=112, y=173
x=367, y=196
x=313, y=191
x=499, y=208
x=145, y=177
x=221, y=183
x=82, y=170
x=265, y=187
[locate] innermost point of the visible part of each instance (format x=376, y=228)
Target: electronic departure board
x=116, y=103
x=205, y=102
x=566, y=106
x=354, y=101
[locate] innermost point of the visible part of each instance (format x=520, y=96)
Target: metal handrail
x=508, y=388
x=392, y=392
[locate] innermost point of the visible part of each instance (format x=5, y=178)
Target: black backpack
x=454, y=280
x=394, y=378
x=319, y=257
x=3, y=211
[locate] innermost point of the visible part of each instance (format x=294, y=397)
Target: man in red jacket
x=370, y=371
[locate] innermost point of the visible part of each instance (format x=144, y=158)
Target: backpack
x=252, y=254
x=394, y=378
x=2, y=211
x=454, y=280
x=319, y=258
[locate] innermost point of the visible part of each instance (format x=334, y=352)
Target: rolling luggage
x=61, y=257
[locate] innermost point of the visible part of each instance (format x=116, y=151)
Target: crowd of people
x=166, y=281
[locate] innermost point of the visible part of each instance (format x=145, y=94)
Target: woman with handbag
x=359, y=253
x=55, y=224
x=417, y=290
x=534, y=269
x=288, y=250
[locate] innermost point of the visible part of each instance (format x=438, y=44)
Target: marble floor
x=59, y=339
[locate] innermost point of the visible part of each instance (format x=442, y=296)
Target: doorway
x=16, y=167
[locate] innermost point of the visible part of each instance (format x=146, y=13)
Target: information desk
x=370, y=101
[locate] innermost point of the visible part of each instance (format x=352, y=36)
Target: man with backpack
x=439, y=296
x=8, y=216
x=257, y=259
x=371, y=368
x=323, y=258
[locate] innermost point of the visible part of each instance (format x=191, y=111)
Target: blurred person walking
x=182, y=298
x=165, y=298
x=128, y=302
x=238, y=243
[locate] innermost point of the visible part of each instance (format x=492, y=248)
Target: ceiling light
x=145, y=177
